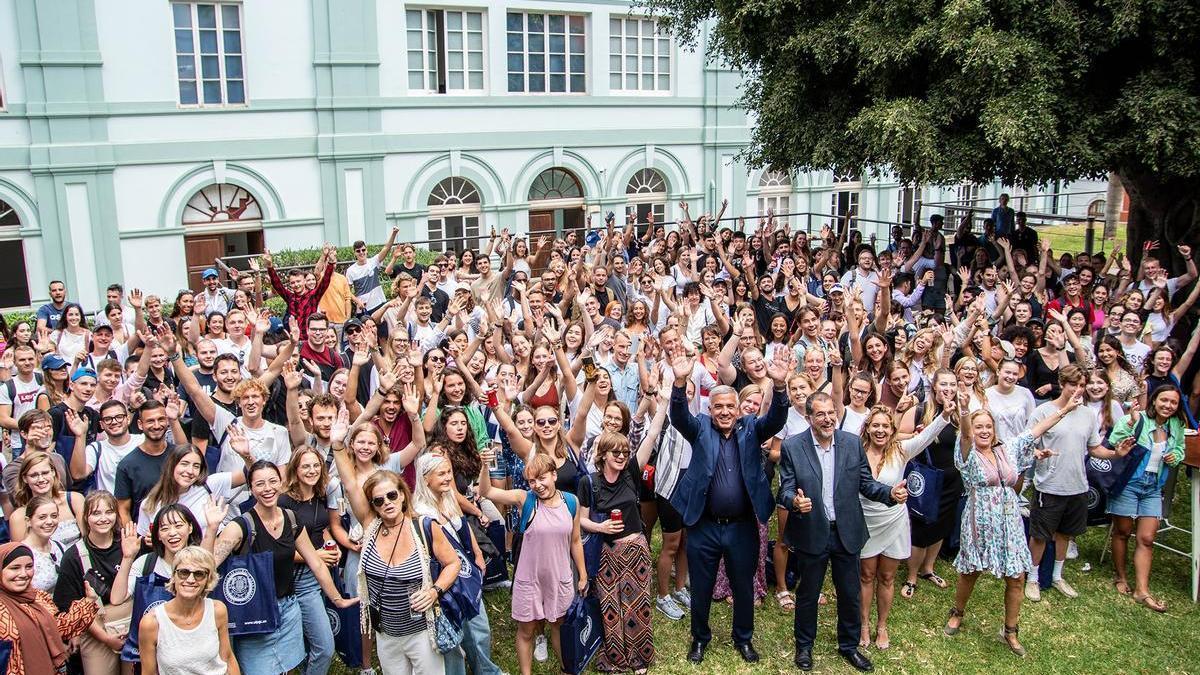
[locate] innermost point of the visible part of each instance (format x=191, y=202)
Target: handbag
x=150, y=592
x=582, y=633
x=446, y=636
x=118, y=622
x=463, y=600
x=344, y=621
x=924, y=489
x=496, y=571
x=248, y=584
x=1110, y=476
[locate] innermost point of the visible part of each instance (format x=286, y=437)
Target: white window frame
x=653, y=202
x=908, y=196
x=3, y=95
x=622, y=57
x=853, y=201
x=545, y=53
x=774, y=194
x=470, y=212
x=430, y=72
x=196, y=55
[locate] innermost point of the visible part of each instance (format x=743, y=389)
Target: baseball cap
x=53, y=362
x=210, y=272
x=102, y=326
x=837, y=288
x=83, y=372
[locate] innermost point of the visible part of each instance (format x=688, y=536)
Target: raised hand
x=215, y=511
x=238, y=442
x=1185, y=250
x=682, y=366
x=266, y=258
x=137, y=299
x=131, y=543
x=780, y=367
x=292, y=378
x=341, y=426
x=411, y=402
x=360, y=357
x=78, y=424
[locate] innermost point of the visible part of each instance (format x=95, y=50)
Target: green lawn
x=1072, y=237
x=1098, y=632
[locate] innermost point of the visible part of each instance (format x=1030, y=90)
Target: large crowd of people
x=198, y=484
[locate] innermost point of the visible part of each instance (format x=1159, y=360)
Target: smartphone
x=589, y=367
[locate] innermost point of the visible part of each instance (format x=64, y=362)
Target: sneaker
x=1033, y=591
x=670, y=609
x=1063, y=587
x=1085, y=567
x=367, y=671
x=684, y=597
x=539, y=648
x=1072, y=550
x=498, y=585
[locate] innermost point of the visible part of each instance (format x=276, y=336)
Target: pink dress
x=543, y=583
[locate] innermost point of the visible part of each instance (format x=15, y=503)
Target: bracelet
x=381, y=392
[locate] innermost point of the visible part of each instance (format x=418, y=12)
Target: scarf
x=39, y=641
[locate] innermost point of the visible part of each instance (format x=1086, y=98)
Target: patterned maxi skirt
x=721, y=587
x=623, y=587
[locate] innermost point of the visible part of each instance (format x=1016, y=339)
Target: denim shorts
x=1141, y=498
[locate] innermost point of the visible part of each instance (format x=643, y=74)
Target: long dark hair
x=183, y=513
x=165, y=491
x=464, y=457
x=1159, y=391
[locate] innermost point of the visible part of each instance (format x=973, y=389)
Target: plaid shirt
x=305, y=305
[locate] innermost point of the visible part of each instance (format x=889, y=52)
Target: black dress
x=941, y=452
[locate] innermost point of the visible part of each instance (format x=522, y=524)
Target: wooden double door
x=203, y=250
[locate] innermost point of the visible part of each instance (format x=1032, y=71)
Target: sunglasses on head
x=392, y=496
x=198, y=575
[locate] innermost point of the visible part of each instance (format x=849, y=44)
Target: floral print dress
x=993, y=537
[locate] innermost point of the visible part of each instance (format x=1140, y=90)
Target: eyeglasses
x=113, y=419
x=860, y=392
x=198, y=575
x=392, y=496
x=547, y=422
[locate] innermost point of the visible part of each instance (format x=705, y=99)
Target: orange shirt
x=336, y=301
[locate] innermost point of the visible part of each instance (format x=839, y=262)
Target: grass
x=1070, y=238
x=1099, y=631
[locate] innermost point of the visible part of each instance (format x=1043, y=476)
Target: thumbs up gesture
x=900, y=492
x=801, y=503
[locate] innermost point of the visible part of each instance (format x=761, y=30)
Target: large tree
x=943, y=91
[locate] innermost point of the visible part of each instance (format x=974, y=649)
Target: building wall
x=98, y=157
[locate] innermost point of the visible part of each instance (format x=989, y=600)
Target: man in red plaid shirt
x=302, y=303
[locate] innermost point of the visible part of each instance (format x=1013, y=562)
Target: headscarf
x=41, y=645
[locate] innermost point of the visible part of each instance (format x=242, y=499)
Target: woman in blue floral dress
x=993, y=538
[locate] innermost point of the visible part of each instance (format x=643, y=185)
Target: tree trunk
x=1166, y=211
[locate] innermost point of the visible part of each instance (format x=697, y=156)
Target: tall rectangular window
x=842, y=202
x=907, y=205
x=453, y=233
x=547, y=53
x=208, y=53
x=639, y=56
x=445, y=50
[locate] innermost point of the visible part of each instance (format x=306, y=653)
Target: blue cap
x=210, y=272
x=53, y=362
x=592, y=238
x=276, y=325
x=83, y=372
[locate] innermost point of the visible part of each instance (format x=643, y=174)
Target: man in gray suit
x=828, y=468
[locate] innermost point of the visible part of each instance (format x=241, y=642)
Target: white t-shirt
x=103, y=458
x=1136, y=354
x=23, y=398
x=269, y=442
x=701, y=379
x=195, y=499
x=1011, y=411
x=364, y=278
x=795, y=424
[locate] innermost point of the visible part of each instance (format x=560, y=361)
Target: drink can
x=616, y=515
x=492, y=399
x=330, y=545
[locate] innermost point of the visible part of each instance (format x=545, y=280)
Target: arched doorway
x=220, y=220
x=14, y=282
x=454, y=209
x=555, y=203
x=647, y=194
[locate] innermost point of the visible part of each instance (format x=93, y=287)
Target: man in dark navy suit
x=821, y=473
x=723, y=495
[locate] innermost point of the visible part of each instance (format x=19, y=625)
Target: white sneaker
x=1072, y=550
x=1063, y=587
x=1033, y=591
x=684, y=597
x=539, y=648
x=670, y=609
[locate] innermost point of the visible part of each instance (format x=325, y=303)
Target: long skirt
x=721, y=589
x=623, y=588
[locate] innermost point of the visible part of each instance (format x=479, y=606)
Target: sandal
x=785, y=600
x=1149, y=601
x=933, y=579
x=1011, y=631
x=822, y=600
x=1122, y=587
x=907, y=590
x=953, y=630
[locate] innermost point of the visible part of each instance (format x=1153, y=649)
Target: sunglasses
x=360, y=250
x=198, y=575
x=437, y=358
x=392, y=496
x=353, y=331
x=619, y=453
x=547, y=422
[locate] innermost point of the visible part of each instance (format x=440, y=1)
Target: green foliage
x=941, y=91
x=308, y=256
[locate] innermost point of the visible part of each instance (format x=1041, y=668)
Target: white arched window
x=454, y=209
x=774, y=192
x=647, y=194
x=1097, y=208
x=221, y=203
x=846, y=187
x=14, y=282
x=554, y=185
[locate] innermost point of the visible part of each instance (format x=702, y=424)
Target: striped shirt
x=390, y=588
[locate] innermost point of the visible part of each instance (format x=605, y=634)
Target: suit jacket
x=799, y=467
x=690, y=498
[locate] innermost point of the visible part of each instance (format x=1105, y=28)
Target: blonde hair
x=195, y=557
x=606, y=442
x=24, y=493
x=445, y=504
x=891, y=447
